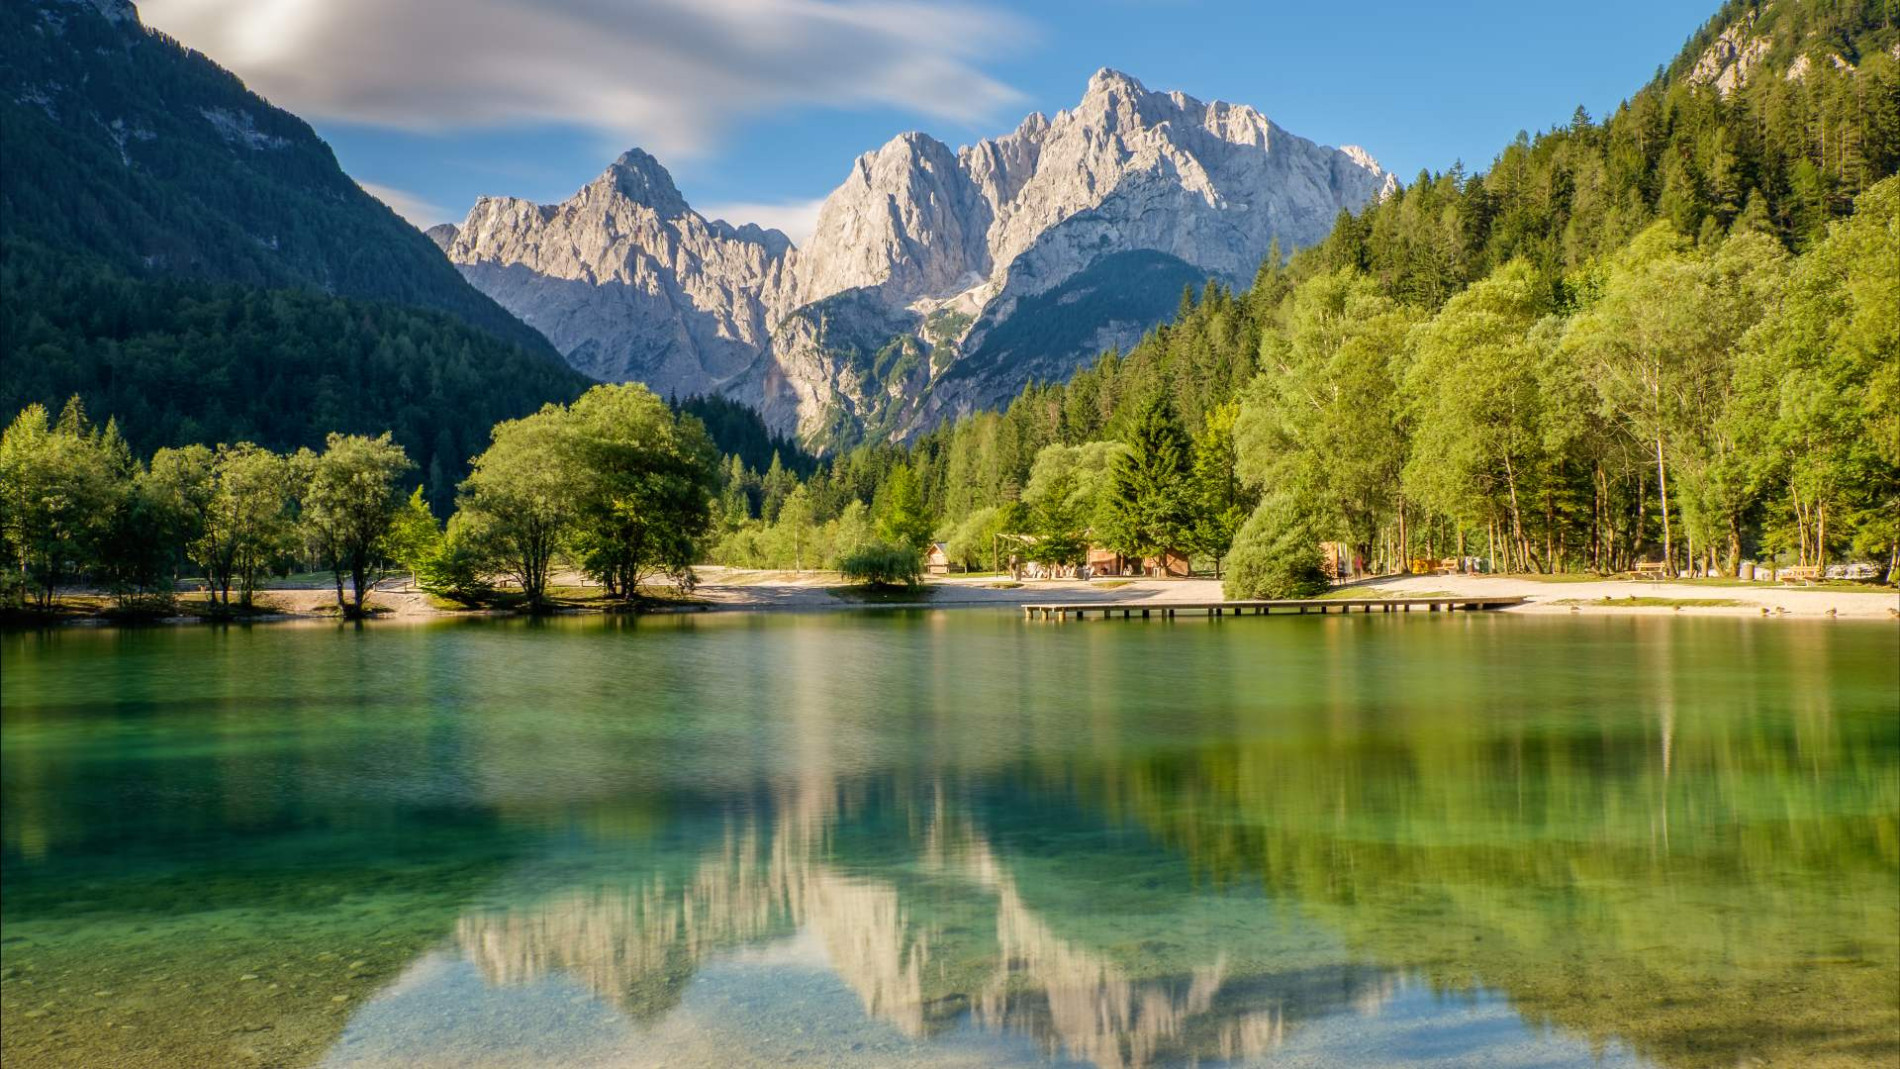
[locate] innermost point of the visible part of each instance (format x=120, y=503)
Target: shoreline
x=726, y=590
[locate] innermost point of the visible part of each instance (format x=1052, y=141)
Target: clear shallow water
x=953, y=838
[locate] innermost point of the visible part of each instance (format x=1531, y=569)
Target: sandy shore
x=1601, y=595
x=737, y=589
x=734, y=589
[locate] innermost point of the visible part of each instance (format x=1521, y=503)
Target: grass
x=1007, y=584
x=1361, y=593
x=1654, y=603
x=1109, y=584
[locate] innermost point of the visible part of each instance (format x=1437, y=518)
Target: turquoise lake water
x=953, y=838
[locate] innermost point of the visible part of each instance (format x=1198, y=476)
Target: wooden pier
x=1292, y=607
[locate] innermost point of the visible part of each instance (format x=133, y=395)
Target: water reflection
x=952, y=840
x=934, y=930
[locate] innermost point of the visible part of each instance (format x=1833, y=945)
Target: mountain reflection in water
x=936, y=931
x=952, y=839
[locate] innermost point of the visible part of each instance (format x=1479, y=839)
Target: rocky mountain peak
x=934, y=280
x=1110, y=82
x=642, y=179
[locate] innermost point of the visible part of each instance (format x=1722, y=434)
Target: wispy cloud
x=669, y=75
x=796, y=218
x=420, y=213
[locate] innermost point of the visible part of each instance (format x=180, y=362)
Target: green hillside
x=188, y=257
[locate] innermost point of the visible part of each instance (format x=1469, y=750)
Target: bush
x=1276, y=555
x=882, y=564
x=455, y=571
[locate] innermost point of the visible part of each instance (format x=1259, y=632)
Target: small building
x=937, y=559
x=1103, y=561
x=1170, y=565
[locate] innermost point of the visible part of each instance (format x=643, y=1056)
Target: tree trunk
x=1517, y=522
x=1733, y=565
x=1820, y=536
x=1662, y=490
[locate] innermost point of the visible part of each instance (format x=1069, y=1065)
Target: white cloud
x=421, y=213
x=796, y=218
x=668, y=75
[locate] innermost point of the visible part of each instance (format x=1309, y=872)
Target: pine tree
x=1149, y=495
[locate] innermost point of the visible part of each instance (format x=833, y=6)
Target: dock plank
x=1285, y=606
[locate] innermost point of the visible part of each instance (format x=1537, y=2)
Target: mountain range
x=937, y=281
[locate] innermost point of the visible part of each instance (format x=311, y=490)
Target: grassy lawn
x=1654, y=603
x=101, y=606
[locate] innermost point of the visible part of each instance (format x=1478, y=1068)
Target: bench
x=1652, y=568
x=1804, y=573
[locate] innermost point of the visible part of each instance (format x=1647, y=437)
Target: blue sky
x=759, y=106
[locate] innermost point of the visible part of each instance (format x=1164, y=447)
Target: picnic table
x=1650, y=568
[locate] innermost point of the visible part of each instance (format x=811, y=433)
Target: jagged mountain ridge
x=894, y=314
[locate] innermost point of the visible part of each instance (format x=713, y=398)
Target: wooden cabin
x=1170, y=565
x=937, y=559
x=1106, y=562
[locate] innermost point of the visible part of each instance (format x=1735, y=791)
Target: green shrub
x=455, y=571
x=882, y=564
x=1276, y=555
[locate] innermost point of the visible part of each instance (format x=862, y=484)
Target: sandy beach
x=727, y=588
x=742, y=590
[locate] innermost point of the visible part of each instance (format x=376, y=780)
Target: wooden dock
x=1291, y=607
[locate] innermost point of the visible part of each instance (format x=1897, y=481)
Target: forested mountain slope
x=1464, y=364
x=187, y=256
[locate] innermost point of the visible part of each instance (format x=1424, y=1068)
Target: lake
x=953, y=838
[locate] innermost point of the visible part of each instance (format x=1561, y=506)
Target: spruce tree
x=1149, y=496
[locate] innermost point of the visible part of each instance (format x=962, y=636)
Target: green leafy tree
x=415, y=538
x=348, y=505
x=1820, y=388
x=795, y=527
x=645, y=479
x=1058, y=520
x=186, y=479
x=1476, y=409
x=252, y=515
x=1320, y=423
x=882, y=564
x=518, y=506
x=901, y=519
x=59, y=489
